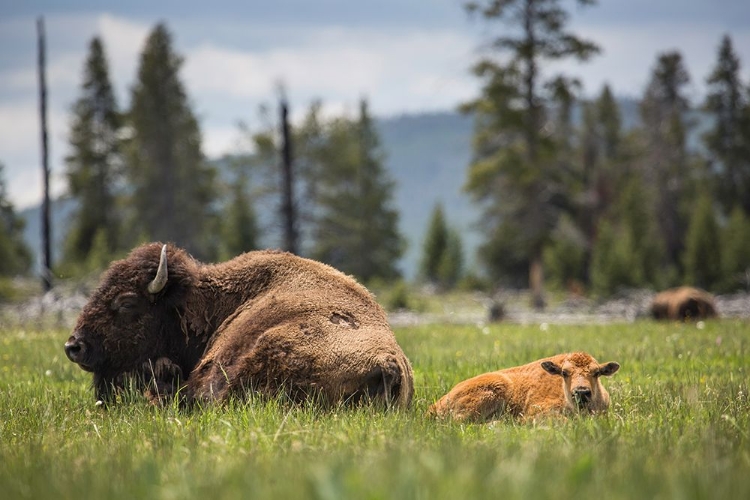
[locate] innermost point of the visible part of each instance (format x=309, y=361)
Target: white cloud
x=20, y=150
x=123, y=41
x=221, y=140
x=19, y=128
x=629, y=54
x=339, y=66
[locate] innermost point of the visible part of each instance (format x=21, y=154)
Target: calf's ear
x=551, y=368
x=608, y=369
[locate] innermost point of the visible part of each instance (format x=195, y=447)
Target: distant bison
x=683, y=303
x=564, y=383
x=266, y=322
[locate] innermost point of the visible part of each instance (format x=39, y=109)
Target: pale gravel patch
x=625, y=308
x=60, y=307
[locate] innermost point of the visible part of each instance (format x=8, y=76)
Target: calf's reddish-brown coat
x=266, y=321
x=558, y=384
x=683, y=303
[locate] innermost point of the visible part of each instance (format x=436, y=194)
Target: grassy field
x=678, y=427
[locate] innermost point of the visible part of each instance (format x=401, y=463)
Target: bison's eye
x=566, y=373
x=125, y=303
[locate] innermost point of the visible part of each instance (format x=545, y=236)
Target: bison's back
x=282, y=271
x=310, y=330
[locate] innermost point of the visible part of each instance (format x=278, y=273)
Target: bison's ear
x=551, y=368
x=608, y=369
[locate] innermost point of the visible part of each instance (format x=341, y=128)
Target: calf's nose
x=75, y=350
x=582, y=393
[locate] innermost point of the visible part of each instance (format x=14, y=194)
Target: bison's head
x=580, y=373
x=127, y=321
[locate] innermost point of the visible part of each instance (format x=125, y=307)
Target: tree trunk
x=46, y=244
x=287, y=204
x=536, y=281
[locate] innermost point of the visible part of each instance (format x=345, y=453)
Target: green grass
x=678, y=427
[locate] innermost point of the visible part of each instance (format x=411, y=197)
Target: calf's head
x=126, y=322
x=580, y=373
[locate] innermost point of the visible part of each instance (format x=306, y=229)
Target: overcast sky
x=405, y=56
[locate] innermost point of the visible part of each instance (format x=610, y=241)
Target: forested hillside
x=427, y=156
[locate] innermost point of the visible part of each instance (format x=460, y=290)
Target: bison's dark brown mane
x=168, y=310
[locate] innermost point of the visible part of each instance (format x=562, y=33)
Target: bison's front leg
x=159, y=381
x=164, y=379
x=105, y=388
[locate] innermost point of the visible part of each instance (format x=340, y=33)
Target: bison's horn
x=160, y=281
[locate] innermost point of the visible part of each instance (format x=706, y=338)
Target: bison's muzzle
x=78, y=352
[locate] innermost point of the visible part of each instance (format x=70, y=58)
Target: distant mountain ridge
x=427, y=156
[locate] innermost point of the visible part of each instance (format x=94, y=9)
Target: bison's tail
x=406, y=386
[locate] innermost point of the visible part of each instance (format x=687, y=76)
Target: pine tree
x=667, y=163
x=632, y=209
x=610, y=124
x=565, y=255
x=627, y=251
x=15, y=256
x=614, y=260
x=735, y=252
x=239, y=226
x=357, y=226
x=611, y=165
x=702, y=253
x=600, y=162
x=728, y=141
x=435, y=245
x=450, y=270
x=94, y=166
x=592, y=165
x=173, y=187
x=442, y=257
x=513, y=171
x=310, y=144
x=603, y=279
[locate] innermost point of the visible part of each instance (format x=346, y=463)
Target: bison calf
x=683, y=303
x=563, y=383
x=266, y=322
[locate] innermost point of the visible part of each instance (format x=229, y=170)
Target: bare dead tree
x=288, y=211
x=46, y=253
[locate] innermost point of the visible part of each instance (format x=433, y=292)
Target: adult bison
x=267, y=322
x=559, y=384
x=683, y=303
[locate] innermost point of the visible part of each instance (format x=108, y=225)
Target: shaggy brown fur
x=266, y=321
x=559, y=384
x=683, y=303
